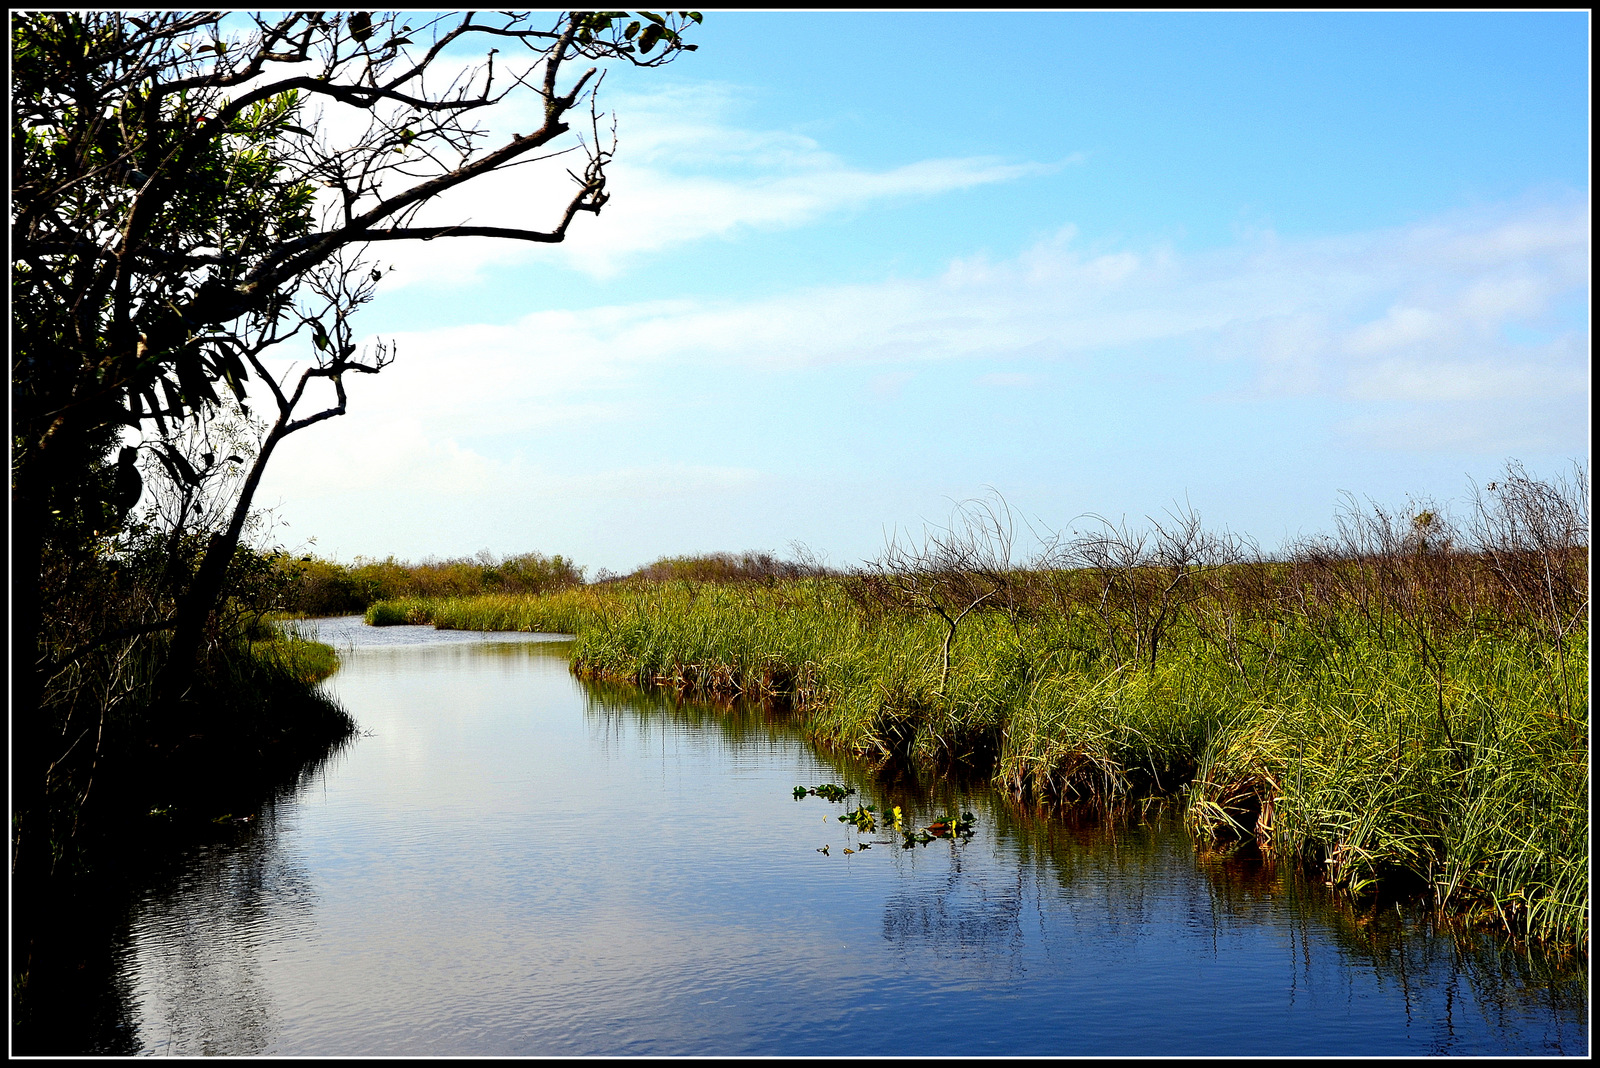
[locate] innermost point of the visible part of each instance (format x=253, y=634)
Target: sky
x=860, y=267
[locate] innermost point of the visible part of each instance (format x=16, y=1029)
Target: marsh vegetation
x=509, y=860
x=1400, y=707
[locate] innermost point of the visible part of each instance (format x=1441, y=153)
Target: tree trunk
x=198, y=603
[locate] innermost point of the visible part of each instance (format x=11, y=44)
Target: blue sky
x=858, y=266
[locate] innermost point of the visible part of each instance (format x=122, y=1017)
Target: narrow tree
x=1146, y=578
x=180, y=207
x=954, y=571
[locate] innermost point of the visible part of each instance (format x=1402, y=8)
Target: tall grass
x=315, y=587
x=292, y=652
x=1401, y=708
x=562, y=612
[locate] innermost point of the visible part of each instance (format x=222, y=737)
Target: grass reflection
x=1144, y=872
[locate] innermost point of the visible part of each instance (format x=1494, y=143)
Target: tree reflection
x=159, y=954
x=969, y=917
x=199, y=944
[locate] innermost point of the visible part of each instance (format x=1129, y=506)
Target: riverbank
x=510, y=862
x=1389, y=747
x=255, y=719
x=161, y=781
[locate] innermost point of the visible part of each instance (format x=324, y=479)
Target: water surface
x=510, y=862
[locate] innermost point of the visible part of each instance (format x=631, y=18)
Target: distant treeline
x=760, y=567
x=315, y=587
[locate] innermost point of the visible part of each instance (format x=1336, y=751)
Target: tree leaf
x=192, y=379
x=233, y=372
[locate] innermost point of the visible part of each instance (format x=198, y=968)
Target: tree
x=176, y=214
x=954, y=571
x=1146, y=578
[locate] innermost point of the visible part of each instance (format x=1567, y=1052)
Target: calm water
x=508, y=862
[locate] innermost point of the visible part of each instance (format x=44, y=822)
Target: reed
x=295, y=654
x=562, y=612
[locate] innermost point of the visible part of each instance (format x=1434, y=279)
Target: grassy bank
x=1399, y=716
x=1464, y=774
x=253, y=723
x=158, y=782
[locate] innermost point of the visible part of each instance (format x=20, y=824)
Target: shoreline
x=1382, y=767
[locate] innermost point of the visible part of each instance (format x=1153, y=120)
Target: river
x=508, y=861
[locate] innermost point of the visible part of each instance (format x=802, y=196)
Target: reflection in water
x=508, y=862
x=967, y=918
x=245, y=896
x=1133, y=871
x=87, y=993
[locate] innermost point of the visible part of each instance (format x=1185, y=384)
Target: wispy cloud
x=1467, y=331
x=1343, y=308
x=685, y=171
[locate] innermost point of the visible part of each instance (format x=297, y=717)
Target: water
x=509, y=862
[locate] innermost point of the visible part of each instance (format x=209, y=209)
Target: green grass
x=1457, y=767
x=297, y=656
x=561, y=612
x=312, y=587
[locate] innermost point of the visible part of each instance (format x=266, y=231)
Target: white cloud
x=373, y=450
x=684, y=171
x=1334, y=315
x=1401, y=326
x=1495, y=299
x=1411, y=333
x=1538, y=376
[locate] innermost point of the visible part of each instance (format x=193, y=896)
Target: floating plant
x=827, y=791
x=865, y=818
x=952, y=827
